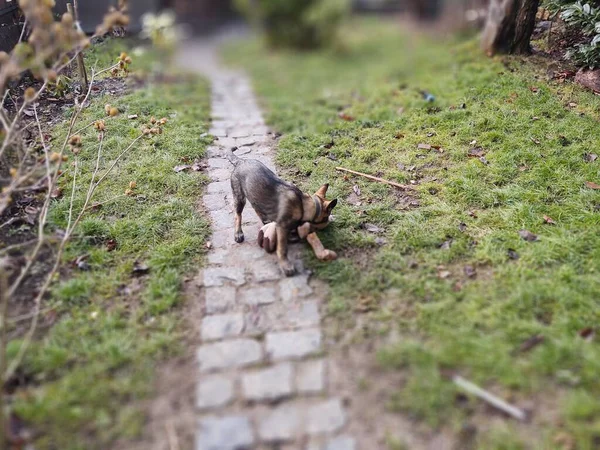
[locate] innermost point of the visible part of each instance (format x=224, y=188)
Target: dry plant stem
x=71, y=225
x=51, y=183
x=22, y=317
x=114, y=66
x=80, y=64
x=10, y=248
x=380, y=180
x=3, y=344
x=490, y=398
x=112, y=199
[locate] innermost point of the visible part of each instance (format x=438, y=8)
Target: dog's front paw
x=239, y=237
x=328, y=255
x=287, y=268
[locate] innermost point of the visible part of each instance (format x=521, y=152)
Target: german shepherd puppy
x=275, y=200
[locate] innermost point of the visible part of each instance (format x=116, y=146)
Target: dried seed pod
x=13, y=172
x=75, y=140
x=113, y=112
x=128, y=192
x=122, y=56
x=107, y=109
x=145, y=130
x=132, y=184
x=29, y=94
x=54, y=156
x=99, y=125
x=51, y=76
x=152, y=120
x=67, y=19
x=163, y=121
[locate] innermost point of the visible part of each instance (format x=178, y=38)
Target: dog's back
x=267, y=193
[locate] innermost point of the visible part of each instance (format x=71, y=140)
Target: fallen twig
x=490, y=398
x=380, y=180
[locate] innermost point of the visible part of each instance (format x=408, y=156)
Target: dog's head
x=324, y=208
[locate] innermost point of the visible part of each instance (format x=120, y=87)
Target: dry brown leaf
x=592, y=185
x=549, y=220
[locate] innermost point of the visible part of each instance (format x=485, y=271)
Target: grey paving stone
x=304, y=314
x=219, y=187
x=214, y=391
x=259, y=295
x=246, y=141
x=219, y=174
x=218, y=256
x=229, y=354
x=215, y=151
x=271, y=383
x=218, y=132
x=225, y=433
x=218, y=299
x=227, y=142
x=222, y=238
x=220, y=326
x=266, y=269
x=221, y=218
x=281, y=424
x=310, y=376
x=341, y=443
x=214, y=202
x=219, y=163
x=292, y=288
x=293, y=344
x=239, y=132
x=325, y=417
x=218, y=276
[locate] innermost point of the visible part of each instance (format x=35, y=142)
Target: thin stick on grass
x=489, y=398
x=380, y=180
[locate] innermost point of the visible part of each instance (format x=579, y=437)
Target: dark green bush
x=296, y=23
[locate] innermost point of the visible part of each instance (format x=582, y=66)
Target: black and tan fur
x=276, y=200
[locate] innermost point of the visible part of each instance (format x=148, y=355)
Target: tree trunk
x=509, y=26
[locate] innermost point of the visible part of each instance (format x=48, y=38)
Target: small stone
x=295, y=287
x=293, y=344
x=221, y=326
x=224, y=433
x=227, y=354
x=266, y=269
x=213, y=392
x=268, y=384
x=217, y=276
x=310, y=376
x=258, y=295
x=218, y=132
x=219, y=299
x=341, y=443
x=281, y=424
x=325, y=417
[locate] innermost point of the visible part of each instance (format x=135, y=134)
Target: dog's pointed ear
x=331, y=205
x=322, y=190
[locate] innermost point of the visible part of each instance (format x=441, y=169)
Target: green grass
x=91, y=368
x=472, y=325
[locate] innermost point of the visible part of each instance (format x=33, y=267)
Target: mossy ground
x=535, y=134
x=91, y=368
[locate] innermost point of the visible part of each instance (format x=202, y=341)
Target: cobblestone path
x=263, y=369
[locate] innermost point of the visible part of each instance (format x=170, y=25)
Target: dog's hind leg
x=239, y=202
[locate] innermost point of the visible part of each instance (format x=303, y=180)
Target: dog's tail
x=232, y=157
